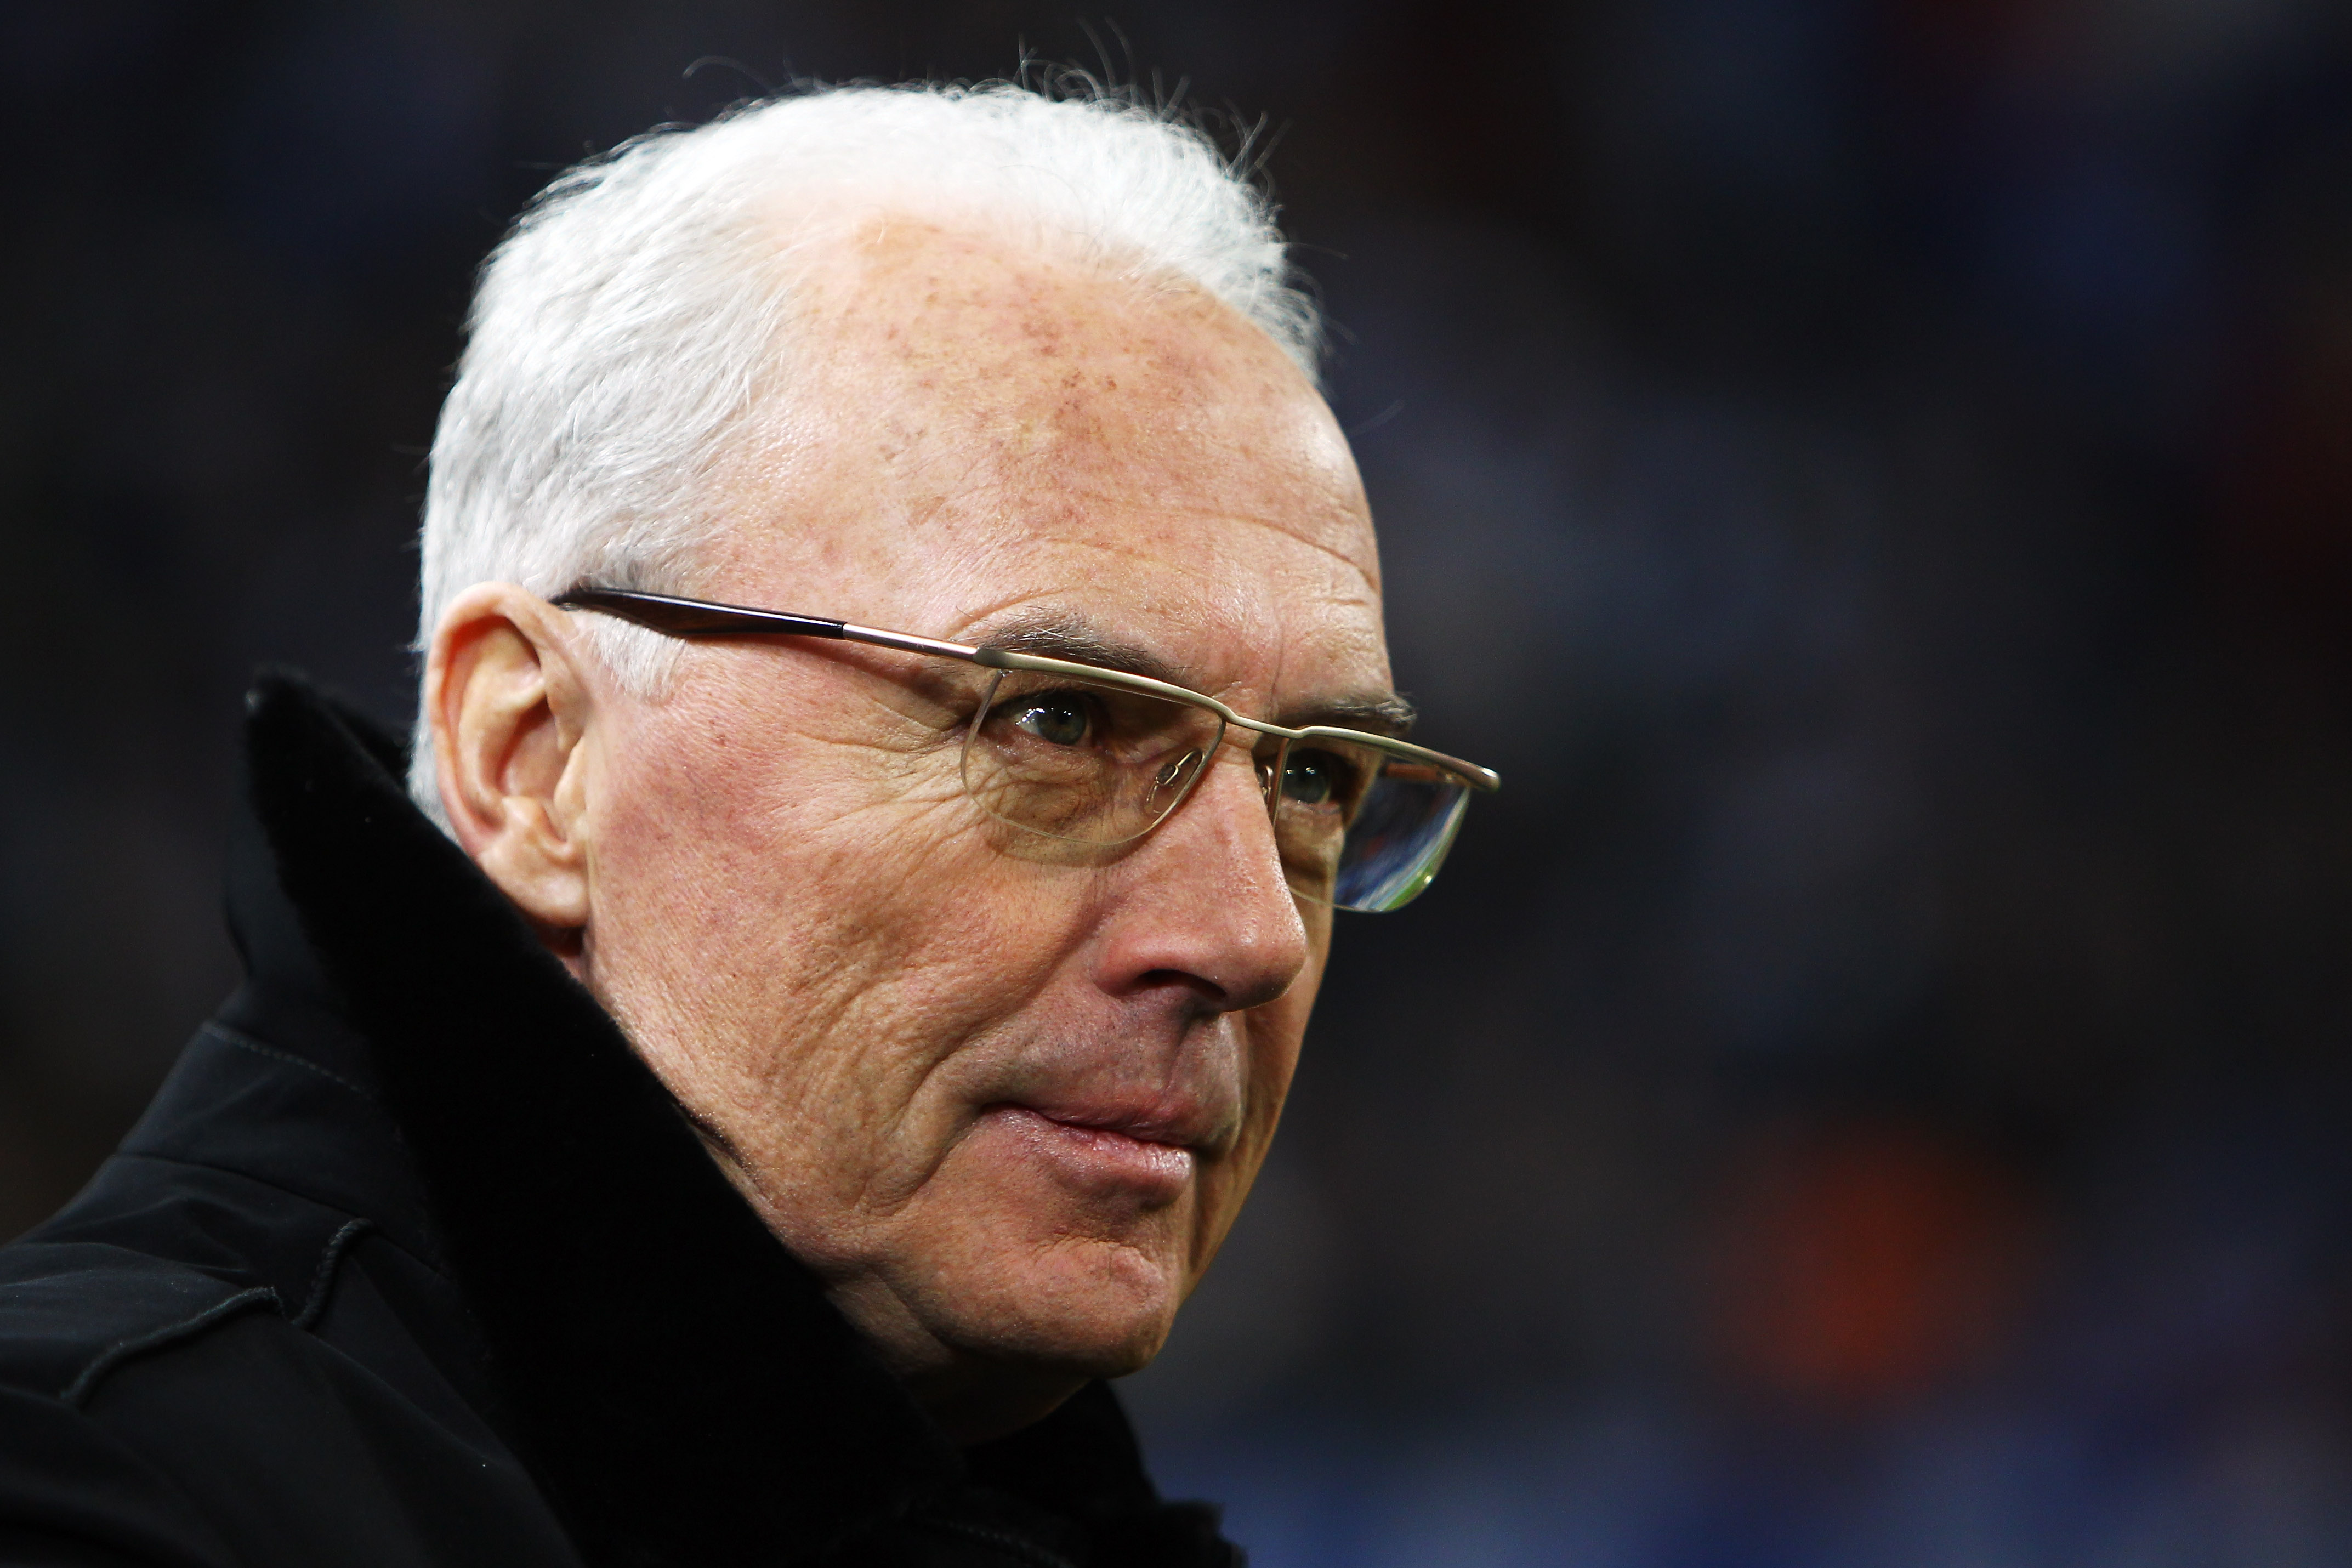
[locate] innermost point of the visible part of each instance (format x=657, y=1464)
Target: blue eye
x=1058, y=718
x=1315, y=778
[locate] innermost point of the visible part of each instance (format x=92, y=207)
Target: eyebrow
x=1058, y=633
x=1389, y=716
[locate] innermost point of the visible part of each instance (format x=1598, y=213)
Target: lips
x=1149, y=1153
x=1179, y=1129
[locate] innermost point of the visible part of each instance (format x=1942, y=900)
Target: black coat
x=413, y=1262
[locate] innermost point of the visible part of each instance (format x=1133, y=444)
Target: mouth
x=1142, y=1152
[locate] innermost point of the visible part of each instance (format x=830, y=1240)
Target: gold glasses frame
x=678, y=618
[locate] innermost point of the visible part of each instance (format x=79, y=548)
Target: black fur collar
x=675, y=1380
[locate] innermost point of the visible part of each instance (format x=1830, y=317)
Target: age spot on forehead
x=1053, y=353
x=972, y=389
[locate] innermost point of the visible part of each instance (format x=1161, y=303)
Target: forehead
x=968, y=429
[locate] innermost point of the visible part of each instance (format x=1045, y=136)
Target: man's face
x=1005, y=1096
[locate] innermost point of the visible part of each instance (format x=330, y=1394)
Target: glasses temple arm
x=692, y=618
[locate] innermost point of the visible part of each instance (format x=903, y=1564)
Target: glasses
x=1088, y=755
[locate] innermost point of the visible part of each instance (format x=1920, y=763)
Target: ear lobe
x=508, y=715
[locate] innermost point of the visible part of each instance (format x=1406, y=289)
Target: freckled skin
x=771, y=875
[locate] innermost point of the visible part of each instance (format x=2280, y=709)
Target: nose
x=1202, y=902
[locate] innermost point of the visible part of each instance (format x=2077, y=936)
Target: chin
x=1025, y=1334
x=1082, y=1306
x=1037, y=1247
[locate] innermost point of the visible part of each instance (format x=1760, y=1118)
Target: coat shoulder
x=71, y=1312
x=154, y=1254
x=223, y=1374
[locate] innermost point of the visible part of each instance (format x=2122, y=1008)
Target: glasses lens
x=1092, y=764
x=1362, y=828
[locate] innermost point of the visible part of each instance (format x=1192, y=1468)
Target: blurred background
x=1874, y=475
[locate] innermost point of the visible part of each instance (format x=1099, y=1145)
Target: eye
x=1058, y=718
x=1316, y=778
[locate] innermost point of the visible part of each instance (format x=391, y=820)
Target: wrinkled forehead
x=969, y=430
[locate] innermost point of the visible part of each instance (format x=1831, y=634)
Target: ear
x=510, y=711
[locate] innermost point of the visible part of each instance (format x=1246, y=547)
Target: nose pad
x=1170, y=781
x=1269, y=775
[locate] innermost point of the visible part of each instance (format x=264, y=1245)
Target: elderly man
x=904, y=696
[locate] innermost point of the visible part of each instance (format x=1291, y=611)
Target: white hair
x=624, y=324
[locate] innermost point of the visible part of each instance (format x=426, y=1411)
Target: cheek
x=796, y=933
x=728, y=832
